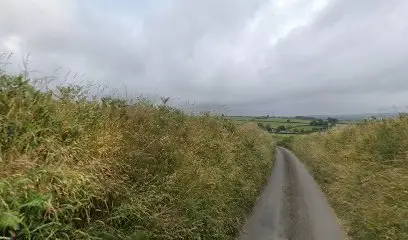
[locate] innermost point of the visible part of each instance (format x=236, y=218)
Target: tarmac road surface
x=291, y=206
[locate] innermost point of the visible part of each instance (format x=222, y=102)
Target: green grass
x=283, y=140
x=72, y=168
x=363, y=171
x=270, y=119
x=292, y=124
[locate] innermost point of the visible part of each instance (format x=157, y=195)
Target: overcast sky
x=251, y=56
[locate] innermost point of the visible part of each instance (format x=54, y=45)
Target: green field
x=291, y=125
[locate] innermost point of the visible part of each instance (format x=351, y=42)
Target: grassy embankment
x=363, y=170
x=78, y=169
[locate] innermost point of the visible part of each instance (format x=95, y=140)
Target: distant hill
x=358, y=116
x=305, y=117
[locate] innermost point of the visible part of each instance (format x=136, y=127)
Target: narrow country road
x=291, y=206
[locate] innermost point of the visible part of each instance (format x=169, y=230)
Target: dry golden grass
x=78, y=169
x=363, y=171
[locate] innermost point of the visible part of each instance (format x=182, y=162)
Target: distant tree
x=281, y=128
x=319, y=122
x=267, y=116
x=288, y=120
x=332, y=121
x=260, y=125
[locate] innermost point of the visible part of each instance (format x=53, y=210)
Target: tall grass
x=363, y=170
x=72, y=168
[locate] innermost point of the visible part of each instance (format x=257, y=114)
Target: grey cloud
x=364, y=55
x=348, y=57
